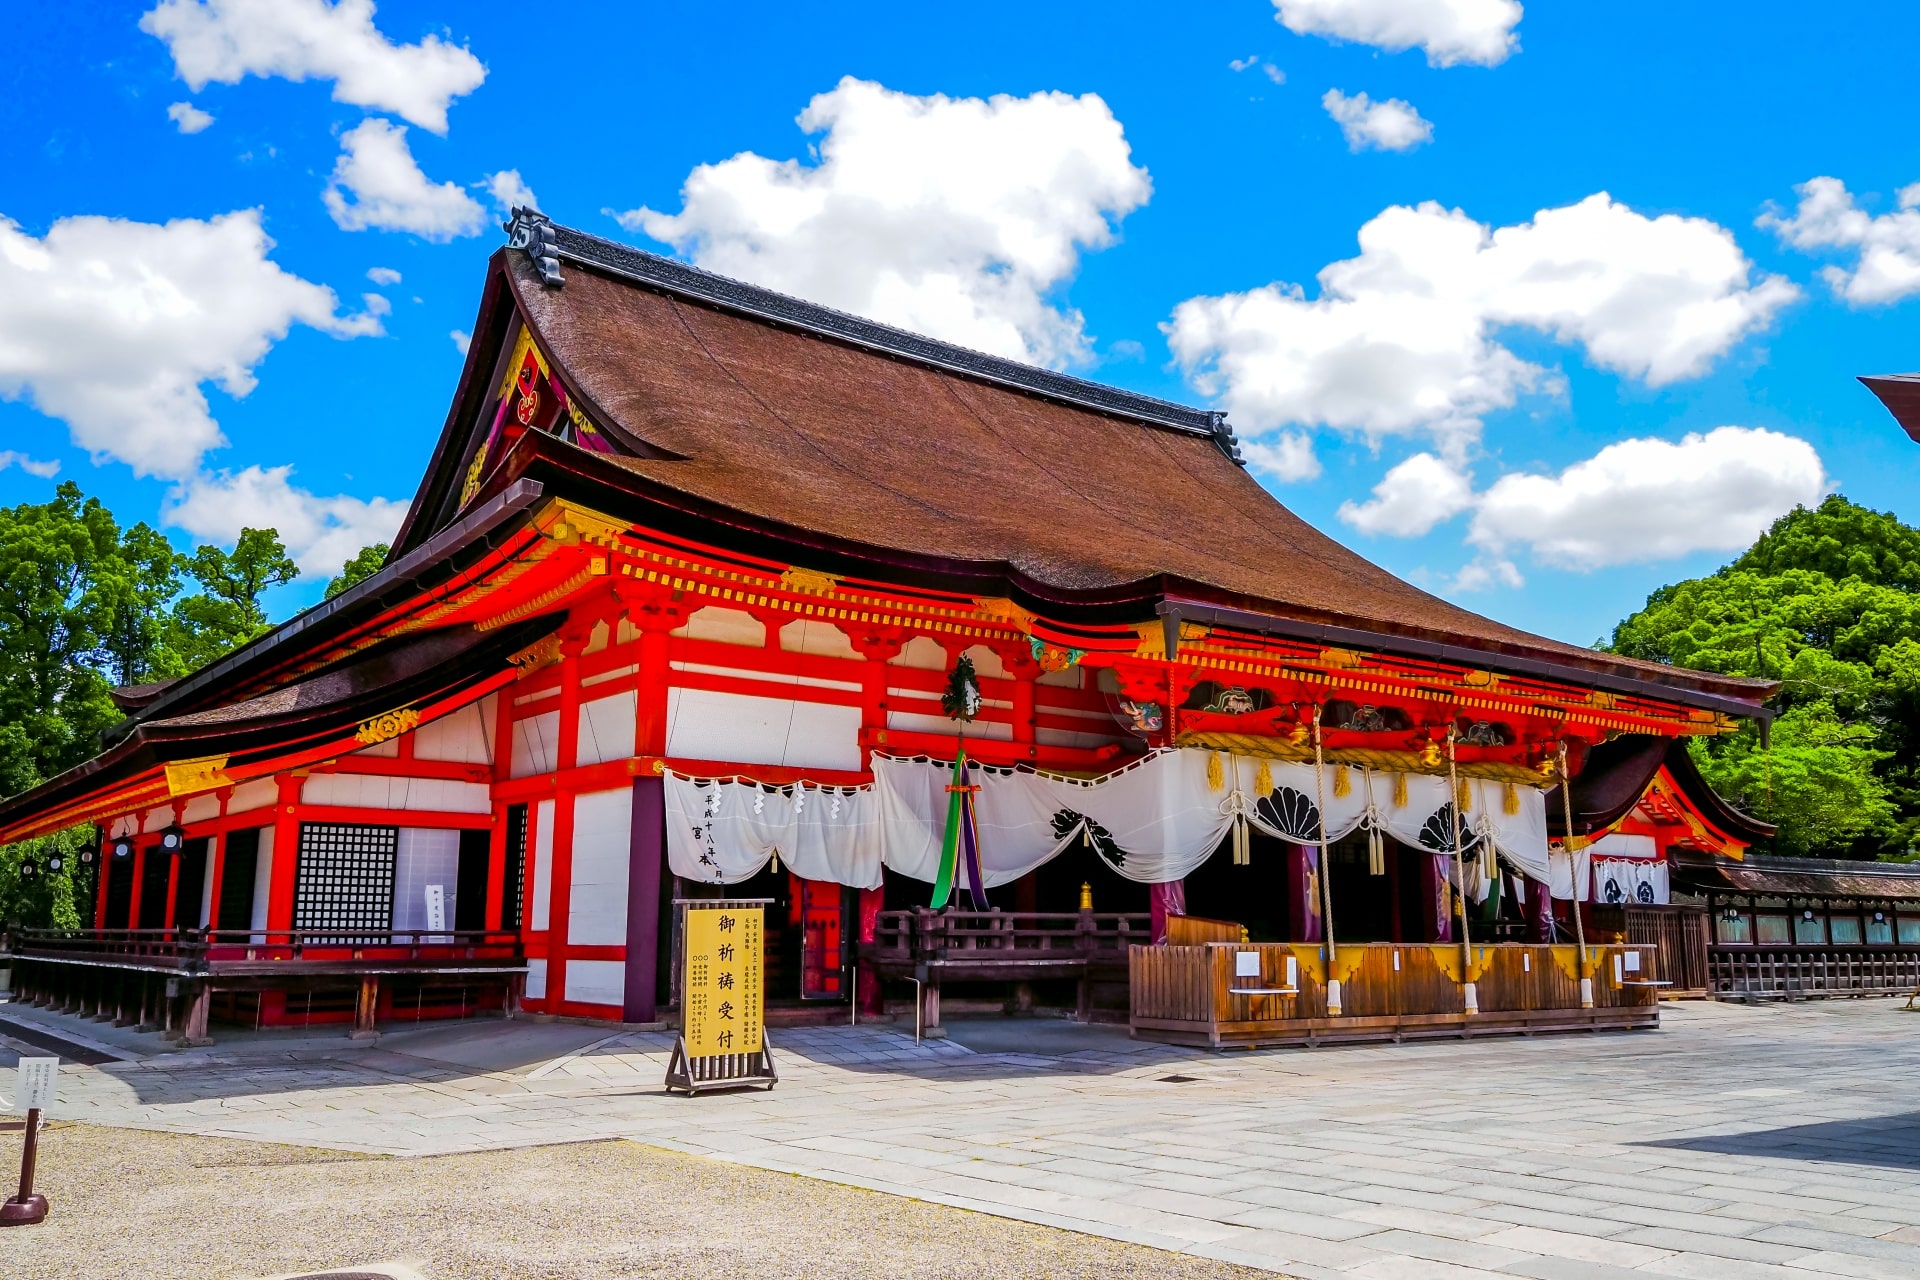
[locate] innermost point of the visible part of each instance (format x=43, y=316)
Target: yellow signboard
x=723, y=995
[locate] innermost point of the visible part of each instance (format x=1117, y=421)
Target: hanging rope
x=1326, y=867
x=1376, y=841
x=1460, y=872
x=1573, y=878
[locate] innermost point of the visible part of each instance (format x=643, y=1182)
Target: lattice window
x=345, y=878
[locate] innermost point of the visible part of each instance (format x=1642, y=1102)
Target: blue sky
x=1544, y=379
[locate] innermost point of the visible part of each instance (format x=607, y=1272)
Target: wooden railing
x=923, y=936
x=197, y=950
x=1202, y=994
x=1813, y=972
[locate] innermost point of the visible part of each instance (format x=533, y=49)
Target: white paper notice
x=436, y=908
x=33, y=1084
x=1246, y=964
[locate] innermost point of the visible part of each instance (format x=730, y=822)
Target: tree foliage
x=362, y=566
x=1827, y=602
x=86, y=605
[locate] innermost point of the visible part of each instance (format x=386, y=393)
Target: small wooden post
x=199, y=1005
x=363, y=1008
x=26, y=1208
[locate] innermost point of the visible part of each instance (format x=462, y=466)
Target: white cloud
x=1241, y=64
x=1392, y=125
x=383, y=275
x=113, y=326
x=1412, y=498
x=321, y=534
x=1402, y=337
x=189, y=118
x=1888, y=267
x=1650, y=499
x=1288, y=457
x=227, y=40
x=461, y=339
x=510, y=193
x=389, y=191
x=1482, y=574
x=953, y=217
x=1450, y=31
x=32, y=466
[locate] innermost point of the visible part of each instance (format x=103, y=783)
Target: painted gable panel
x=536, y=742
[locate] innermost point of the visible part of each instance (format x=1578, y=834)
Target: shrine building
x=704, y=592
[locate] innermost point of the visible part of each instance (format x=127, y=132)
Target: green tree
x=226, y=612
x=1827, y=602
x=36, y=893
x=362, y=566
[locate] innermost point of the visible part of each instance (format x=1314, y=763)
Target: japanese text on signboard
x=725, y=1000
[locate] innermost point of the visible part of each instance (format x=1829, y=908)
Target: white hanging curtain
x=1623, y=881
x=724, y=831
x=1159, y=818
x=1561, y=883
x=1153, y=821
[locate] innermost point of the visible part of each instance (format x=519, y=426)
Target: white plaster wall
x=597, y=981
x=201, y=808
x=262, y=881
x=535, y=744
x=724, y=626
x=542, y=864
x=923, y=652
x=464, y=736
x=606, y=729
x=822, y=639
x=369, y=791
x=602, y=838
x=257, y=794
x=744, y=729
x=536, y=979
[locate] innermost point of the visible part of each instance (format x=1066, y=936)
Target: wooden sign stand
x=721, y=1071
x=722, y=988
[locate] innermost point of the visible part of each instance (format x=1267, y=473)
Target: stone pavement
x=1736, y=1142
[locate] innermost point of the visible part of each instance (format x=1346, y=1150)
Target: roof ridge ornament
x=532, y=230
x=1224, y=437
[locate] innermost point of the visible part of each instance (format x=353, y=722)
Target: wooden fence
x=1812, y=973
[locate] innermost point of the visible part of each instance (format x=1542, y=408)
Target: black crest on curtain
x=1096, y=835
x=1436, y=833
x=1291, y=812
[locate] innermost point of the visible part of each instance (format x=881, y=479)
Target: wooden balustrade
x=1803, y=973
x=1198, y=994
x=196, y=951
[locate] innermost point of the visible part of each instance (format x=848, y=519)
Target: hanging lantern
x=123, y=848
x=53, y=863
x=172, y=841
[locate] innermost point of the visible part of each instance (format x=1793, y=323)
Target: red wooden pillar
x=647, y=849
x=103, y=861
x=216, y=873
x=286, y=853
x=565, y=755
x=140, y=851
x=173, y=889
x=872, y=997
x=497, y=869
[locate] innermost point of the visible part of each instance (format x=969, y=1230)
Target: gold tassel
x=776, y=862
x=1216, y=773
x=1488, y=867
x=1242, y=843
x=1399, y=790
x=1376, y=852
x=1463, y=797
x=1263, y=780
x=1510, y=802
x=1342, y=781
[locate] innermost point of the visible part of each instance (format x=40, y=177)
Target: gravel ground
x=131, y=1204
